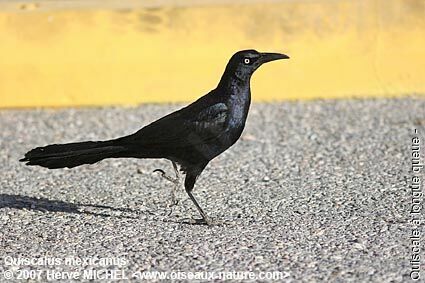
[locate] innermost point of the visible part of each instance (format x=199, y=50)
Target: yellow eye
x=246, y=61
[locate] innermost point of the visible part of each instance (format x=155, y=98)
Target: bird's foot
x=175, y=181
x=174, y=202
x=197, y=221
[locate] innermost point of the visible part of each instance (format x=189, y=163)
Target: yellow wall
x=72, y=57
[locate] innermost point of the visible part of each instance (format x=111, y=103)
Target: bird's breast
x=239, y=108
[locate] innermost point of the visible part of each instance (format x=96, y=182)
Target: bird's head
x=244, y=63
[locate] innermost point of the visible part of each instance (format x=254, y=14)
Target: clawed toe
x=197, y=221
x=175, y=181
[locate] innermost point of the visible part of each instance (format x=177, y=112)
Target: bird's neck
x=236, y=90
x=235, y=83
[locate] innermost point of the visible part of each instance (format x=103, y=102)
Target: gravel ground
x=316, y=190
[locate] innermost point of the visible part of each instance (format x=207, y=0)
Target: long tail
x=73, y=154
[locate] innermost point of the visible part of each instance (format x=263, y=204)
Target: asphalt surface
x=318, y=190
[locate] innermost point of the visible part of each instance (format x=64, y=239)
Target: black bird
x=190, y=137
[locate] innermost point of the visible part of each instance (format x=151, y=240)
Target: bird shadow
x=47, y=205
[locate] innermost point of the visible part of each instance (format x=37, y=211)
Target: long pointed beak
x=267, y=57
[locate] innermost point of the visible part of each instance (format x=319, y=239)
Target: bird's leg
x=174, y=200
x=175, y=181
x=189, y=183
x=203, y=215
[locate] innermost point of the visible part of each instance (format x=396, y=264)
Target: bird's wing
x=186, y=127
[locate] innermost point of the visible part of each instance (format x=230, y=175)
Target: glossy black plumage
x=190, y=137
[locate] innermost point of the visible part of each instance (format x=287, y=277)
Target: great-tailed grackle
x=190, y=137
